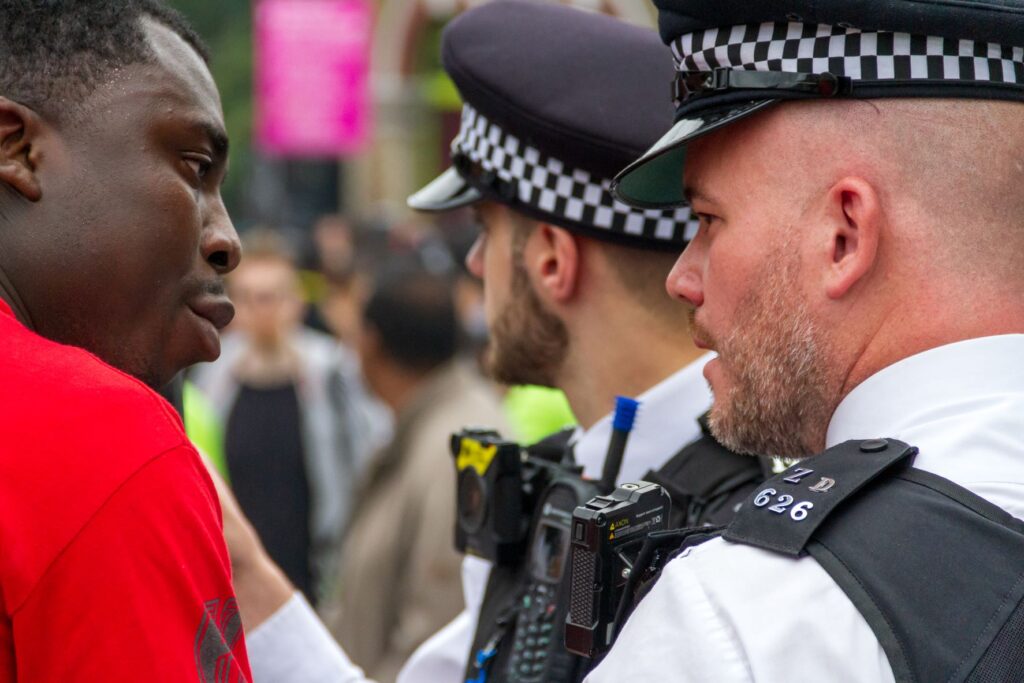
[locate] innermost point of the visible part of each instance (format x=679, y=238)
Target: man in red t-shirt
x=113, y=239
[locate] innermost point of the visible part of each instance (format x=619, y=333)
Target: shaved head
x=951, y=171
x=899, y=226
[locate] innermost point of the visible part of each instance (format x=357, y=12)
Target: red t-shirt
x=112, y=558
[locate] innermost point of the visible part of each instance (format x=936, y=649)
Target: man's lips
x=218, y=310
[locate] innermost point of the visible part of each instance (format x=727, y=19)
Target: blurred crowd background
x=357, y=345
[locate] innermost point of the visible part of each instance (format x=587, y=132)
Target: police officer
x=574, y=283
x=555, y=102
x=858, y=166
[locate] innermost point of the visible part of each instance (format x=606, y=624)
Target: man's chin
x=500, y=368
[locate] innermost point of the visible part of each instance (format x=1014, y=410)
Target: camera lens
x=472, y=495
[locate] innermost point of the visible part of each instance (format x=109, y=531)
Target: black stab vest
x=936, y=571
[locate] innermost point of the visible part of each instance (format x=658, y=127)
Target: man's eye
x=199, y=165
x=706, y=219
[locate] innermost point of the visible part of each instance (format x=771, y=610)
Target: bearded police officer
x=574, y=291
x=857, y=171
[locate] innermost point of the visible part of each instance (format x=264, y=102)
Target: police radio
x=608, y=533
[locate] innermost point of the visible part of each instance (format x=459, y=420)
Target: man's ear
x=553, y=254
x=854, y=219
x=19, y=127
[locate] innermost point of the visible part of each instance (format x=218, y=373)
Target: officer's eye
x=706, y=219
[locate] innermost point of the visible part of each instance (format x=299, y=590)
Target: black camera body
x=608, y=533
x=498, y=488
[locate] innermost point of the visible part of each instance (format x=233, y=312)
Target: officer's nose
x=475, y=257
x=220, y=245
x=684, y=280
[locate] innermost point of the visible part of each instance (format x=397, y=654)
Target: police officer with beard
x=857, y=169
x=574, y=292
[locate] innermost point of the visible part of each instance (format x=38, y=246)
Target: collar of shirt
x=961, y=404
x=665, y=422
x=5, y=309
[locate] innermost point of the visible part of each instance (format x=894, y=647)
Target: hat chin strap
x=690, y=85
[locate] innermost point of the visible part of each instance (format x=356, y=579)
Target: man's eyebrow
x=217, y=137
x=693, y=192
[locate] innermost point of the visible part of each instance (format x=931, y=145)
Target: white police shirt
x=726, y=612
x=666, y=421
x=292, y=646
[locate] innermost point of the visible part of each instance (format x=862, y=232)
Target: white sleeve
x=676, y=633
x=733, y=613
x=293, y=646
x=442, y=658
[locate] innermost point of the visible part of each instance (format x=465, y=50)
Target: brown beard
x=528, y=343
x=783, y=393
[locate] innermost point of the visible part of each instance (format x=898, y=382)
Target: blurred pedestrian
x=297, y=423
x=400, y=576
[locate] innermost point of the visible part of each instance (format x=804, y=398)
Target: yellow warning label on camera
x=474, y=454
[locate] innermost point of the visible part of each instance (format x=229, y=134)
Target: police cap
x=556, y=100
x=736, y=57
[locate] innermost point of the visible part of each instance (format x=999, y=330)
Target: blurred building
x=414, y=114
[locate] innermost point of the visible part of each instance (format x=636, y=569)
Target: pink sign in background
x=312, y=76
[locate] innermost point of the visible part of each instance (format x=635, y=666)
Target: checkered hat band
x=545, y=183
x=843, y=51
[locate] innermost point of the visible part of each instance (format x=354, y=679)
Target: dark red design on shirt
x=219, y=633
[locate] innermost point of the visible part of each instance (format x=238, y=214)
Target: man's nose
x=221, y=247
x=685, y=279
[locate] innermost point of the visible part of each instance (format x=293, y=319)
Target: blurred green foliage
x=226, y=26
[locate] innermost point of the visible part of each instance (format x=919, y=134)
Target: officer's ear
x=19, y=128
x=853, y=218
x=555, y=256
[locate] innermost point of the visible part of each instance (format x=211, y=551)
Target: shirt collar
x=665, y=422
x=5, y=309
x=961, y=404
x=927, y=385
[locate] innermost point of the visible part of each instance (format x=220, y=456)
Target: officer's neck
x=601, y=367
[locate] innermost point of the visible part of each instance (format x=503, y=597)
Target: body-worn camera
x=515, y=508
x=607, y=534
x=498, y=488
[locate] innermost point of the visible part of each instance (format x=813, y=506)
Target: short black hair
x=54, y=53
x=413, y=313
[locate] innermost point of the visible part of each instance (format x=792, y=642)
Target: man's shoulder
x=726, y=611
x=72, y=431
x=64, y=393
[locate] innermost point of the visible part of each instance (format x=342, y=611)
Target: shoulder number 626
x=797, y=513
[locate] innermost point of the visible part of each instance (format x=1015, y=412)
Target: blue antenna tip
x=625, y=413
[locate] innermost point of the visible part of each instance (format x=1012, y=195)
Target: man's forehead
x=176, y=81
x=180, y=59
